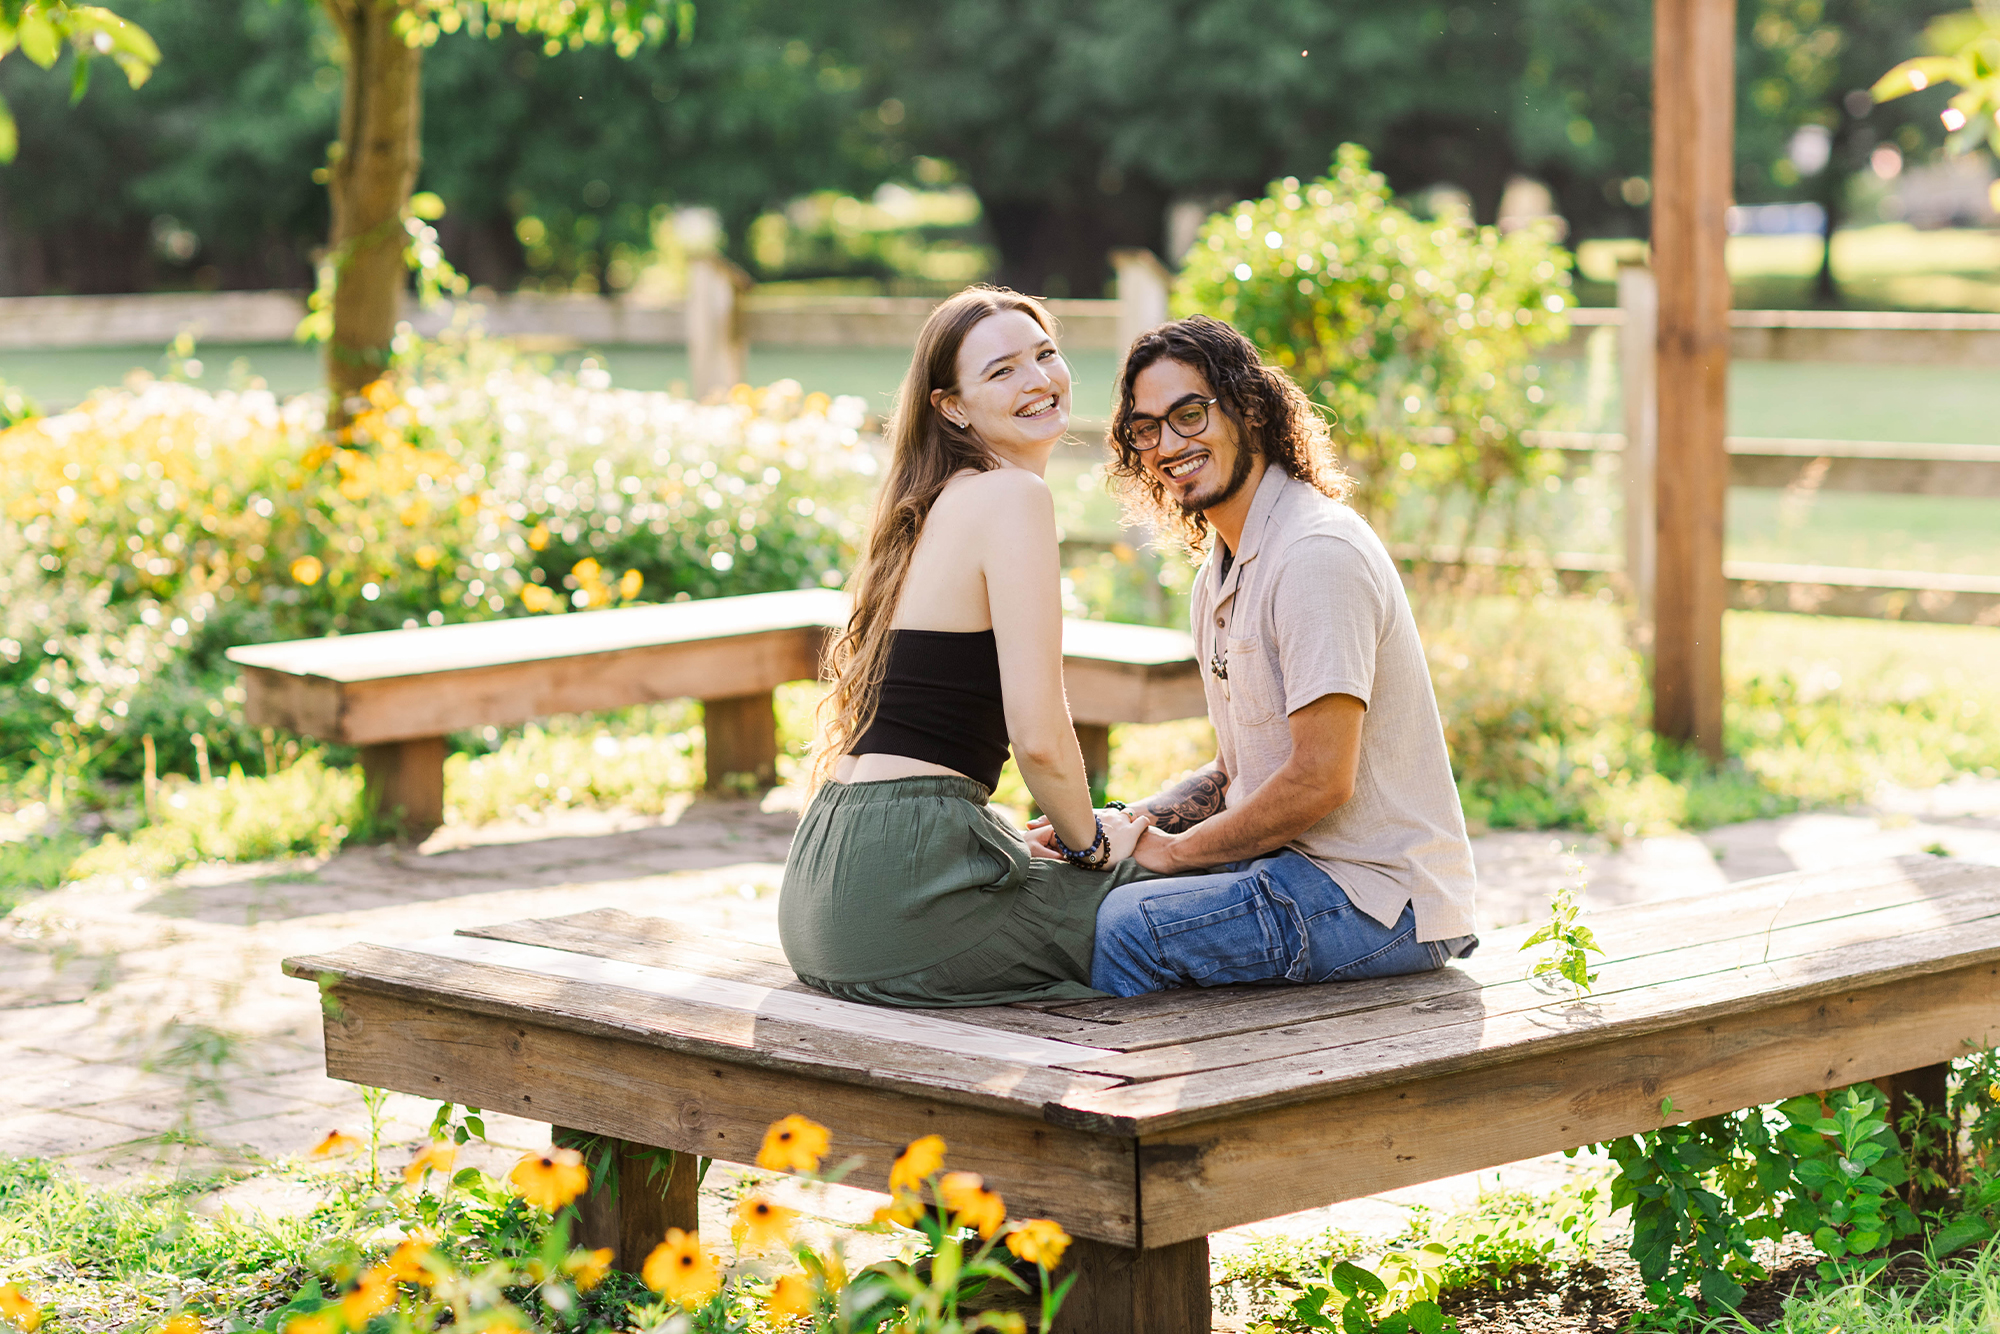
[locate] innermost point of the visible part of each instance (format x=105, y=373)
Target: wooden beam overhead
x=1694, y=74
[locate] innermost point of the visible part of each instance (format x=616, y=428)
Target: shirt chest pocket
x=1256, y=689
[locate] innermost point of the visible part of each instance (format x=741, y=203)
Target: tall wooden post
x=1694, y=63
x=718, y=344
x=1638, y=351
x=1143, y=287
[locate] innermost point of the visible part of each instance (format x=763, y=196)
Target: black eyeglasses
x=1187, y=420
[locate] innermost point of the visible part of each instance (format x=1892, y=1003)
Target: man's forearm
x=1291, y=802
x=1188, y=802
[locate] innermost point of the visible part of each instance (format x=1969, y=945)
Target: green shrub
x=152, y=528
x=1415, y=334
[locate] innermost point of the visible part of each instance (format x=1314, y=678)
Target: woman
x=903, y=886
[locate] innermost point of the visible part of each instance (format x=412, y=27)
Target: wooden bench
x=1145, y=1124
x=396, y=693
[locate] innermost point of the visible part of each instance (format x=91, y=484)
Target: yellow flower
x=791, y=1298
x=538, y=537
x=630, y=584
x=437, y=1156
x=427, y=556
x=18, y=1311
x=965, y=1195
x=187, y=1322
x=550, y=1180
x=374, y=1294
x=326, y=1320
x=588, y=1268
x=381, y=393
x=336, y=1143
x=587, y=570
x=406, y=1262
x=793, y=1145
x=307, y=570
x=1039, y=1242
x=761, y=1224
x=316, y=456
x=536, y=598
x=680, y=1270
x=919, y=1162
x=905, y=1209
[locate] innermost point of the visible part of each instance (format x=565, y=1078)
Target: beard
x=1239, y=473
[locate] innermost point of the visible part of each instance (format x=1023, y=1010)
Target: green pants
x=916, y=892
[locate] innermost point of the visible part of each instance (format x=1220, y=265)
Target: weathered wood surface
x=1227, y=1105
x=395, y=685
x=604, y=1082
x=1874, y=466
x=632, y=1211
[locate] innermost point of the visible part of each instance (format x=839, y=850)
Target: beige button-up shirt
x=1312, y=606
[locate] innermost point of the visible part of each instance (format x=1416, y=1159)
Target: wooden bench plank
x=706, y=1032
x=801, y=1006
x=605, y=1082
x=611, y=934
x=1684, y=964
x=1194, y=1014
x=1219, y=1173
x=1484, y=1042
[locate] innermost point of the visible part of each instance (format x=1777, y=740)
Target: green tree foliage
x=1965, y=51
x=1415, y=334
x=200, y=177
x=42, y=29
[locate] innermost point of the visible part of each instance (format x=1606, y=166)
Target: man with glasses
x=1325, y=841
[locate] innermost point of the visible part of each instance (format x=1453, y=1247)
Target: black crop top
x=941, y=703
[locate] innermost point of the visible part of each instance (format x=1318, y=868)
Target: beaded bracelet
x=1093, y=858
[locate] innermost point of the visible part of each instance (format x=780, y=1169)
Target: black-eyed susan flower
x=588, y=1268
x=965, y=1196
x=761, y=1225
x=336, y=1143
x=918, y=1162
x=436, y=1156
x=552, y=1179
x=184, y=1322
x=307, y=570
x=791, y=1298
x=903, y=1209
x=680, y=1270
x=794, y=1144
x=372, y=1295
x=326, y=1320
x=17, y=1310
x=1039, y=1241
x=406, y=1262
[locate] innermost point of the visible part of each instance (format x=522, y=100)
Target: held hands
x=1122, y=830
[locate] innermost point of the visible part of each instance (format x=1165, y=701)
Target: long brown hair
x=1272, y=414
x=927, y=450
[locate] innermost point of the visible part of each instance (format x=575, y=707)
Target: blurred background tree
x=1022, y=141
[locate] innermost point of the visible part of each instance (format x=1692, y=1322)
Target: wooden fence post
x=1143, y=283
x=1639, y=299
x=717, y=338
x=1694, y=63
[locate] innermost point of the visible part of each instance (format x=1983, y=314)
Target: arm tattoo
x=1182, y=807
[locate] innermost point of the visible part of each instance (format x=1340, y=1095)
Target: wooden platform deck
x=1148, y=1123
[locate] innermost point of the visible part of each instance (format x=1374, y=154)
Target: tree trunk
x=371, y=172
x=1832, y=185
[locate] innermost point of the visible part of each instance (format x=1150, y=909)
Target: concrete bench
x=396, y=693
x=1143, y=1125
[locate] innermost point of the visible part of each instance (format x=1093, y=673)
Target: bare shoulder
x=1004, y=494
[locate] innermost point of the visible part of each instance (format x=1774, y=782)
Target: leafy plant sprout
x=1571, y=944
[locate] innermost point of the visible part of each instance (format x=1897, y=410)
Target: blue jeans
x=1277, y=919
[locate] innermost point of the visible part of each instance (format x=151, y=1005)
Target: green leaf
x=79, y=78
x=1354, y=1317
x=1913, y=76
x=1959, y=1233
x=10, y=136
x=39, y=40
x=426, y=205
x=1719, y=1288
x=1543, y=935
x=1427, y=1318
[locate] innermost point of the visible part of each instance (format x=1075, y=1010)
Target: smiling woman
x=904, y=887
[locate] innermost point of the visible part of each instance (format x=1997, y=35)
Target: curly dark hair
x=1273, y=417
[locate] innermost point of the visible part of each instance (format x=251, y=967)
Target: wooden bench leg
x=1095, y=738
x=632, y=1214
x=1923, y=1086
x=403, y=782
x=741, y=734
x=1120, y=1291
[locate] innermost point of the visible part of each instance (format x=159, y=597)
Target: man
x=1325, y=841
